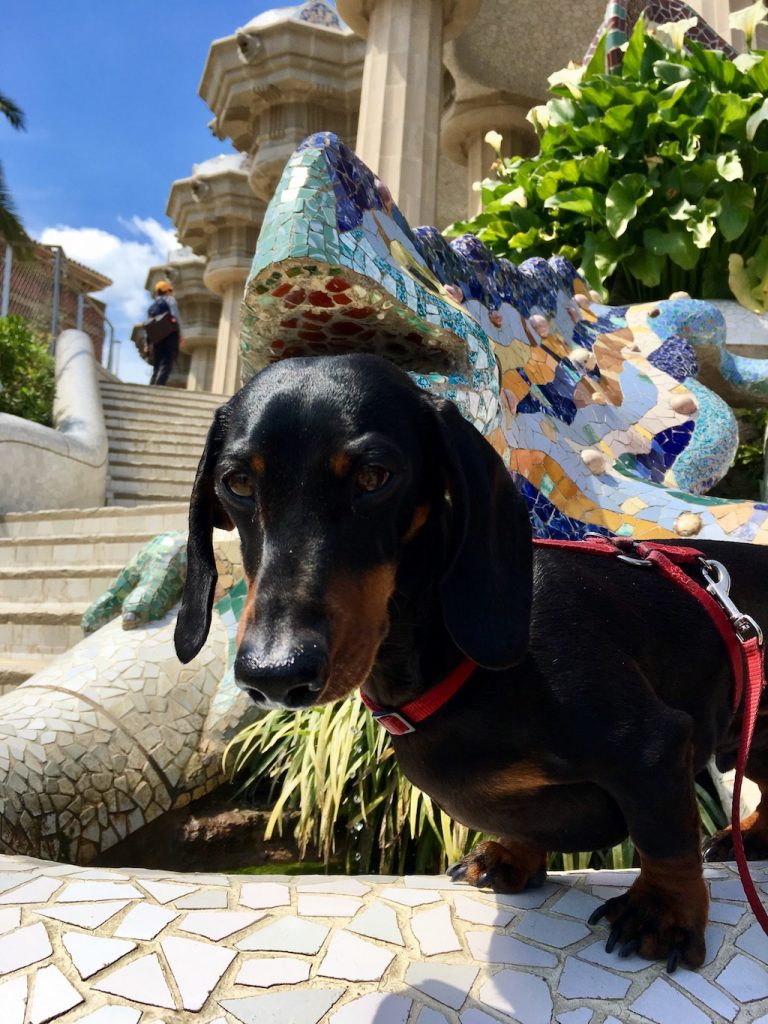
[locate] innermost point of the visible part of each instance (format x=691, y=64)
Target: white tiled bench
x=142, y=947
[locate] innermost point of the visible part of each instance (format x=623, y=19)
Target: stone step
x=151, y=517
x=160, y=447
x=16, y=667
x=150, y=490
x=166, y=397
x=157, y=413
x=191, y=438
x=163, y=473
x=71, y=549
x=56, y=583
x=40, y=628
x=125, y=419
x=122, y=463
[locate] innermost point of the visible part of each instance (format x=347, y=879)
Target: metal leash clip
x=718, y=586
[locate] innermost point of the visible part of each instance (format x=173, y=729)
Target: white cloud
x=124, y=260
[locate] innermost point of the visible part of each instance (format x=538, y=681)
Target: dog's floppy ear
x=205, y=513
x=486, y=590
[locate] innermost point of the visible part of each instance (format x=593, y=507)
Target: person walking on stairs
x=164, y=351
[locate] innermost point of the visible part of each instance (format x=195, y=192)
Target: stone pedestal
x=286, y=74
x=398, y=131
x=217, y=216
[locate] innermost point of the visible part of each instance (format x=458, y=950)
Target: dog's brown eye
x=240, y=484
x=371, y=478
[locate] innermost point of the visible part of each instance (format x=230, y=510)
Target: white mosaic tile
x=196, y=968
x=664, y=1005
x=164, y=892
x=144, y=922
x=584, y=981
x=85, y=915
x=24, y=947
x=112, y=1015
x=307, y=1007
x=439, y=882
x=265, y=895
x=141, y=981
x=530, y=899
x=410, y=897
x=206, y=899
x=493, y=948
x=38, y=891
x=550, y=931
x=13, y=999
x=430, y=1016
x=576, y=903
x=288, y=935
x=755, y=942
x=84, y=892
x=476, y=912
x=475, y=1016
x=15, y=879
x=726, y=913
x=522, y=996
x=354, y=959
x=744, y=979
x=9, y=918
x=713, y=940
x=612, y=878
x=91, y=953
x=705, y=992
x=269, y=971
x=377, y=922
x=447, y=983
x=374, y=1008
x=52, y=995
x=336, y=887
x=319, y=905
x=217, y=924
x=581, y=1016
x=732, y=889
x=434, y=932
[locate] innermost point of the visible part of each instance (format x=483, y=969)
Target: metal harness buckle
x=622, y=545
x=400, y=718
x=718, y=586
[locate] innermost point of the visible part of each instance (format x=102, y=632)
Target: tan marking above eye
x=340, y=463
x=240, y=484
x=420, y=514
x=257, y=463
x=371, y=478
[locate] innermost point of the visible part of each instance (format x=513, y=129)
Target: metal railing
x=47, y=289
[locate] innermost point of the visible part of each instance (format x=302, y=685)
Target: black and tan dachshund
x=383, y=541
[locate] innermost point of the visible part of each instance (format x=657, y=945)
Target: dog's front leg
x=664, y=914
x=505, y=866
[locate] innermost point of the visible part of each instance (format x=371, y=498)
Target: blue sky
x=109, y=91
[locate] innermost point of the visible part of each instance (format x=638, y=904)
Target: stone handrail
x=63, y=467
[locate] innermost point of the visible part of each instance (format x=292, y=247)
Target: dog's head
x=335, y=472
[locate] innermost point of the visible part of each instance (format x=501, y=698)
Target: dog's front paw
x=658, y=924
x=507, y=867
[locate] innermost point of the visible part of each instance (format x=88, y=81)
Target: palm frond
x=13, y=112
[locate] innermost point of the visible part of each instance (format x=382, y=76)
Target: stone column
x=200, y=312
x=286, y=74
x=218, y=217
x=401, y=98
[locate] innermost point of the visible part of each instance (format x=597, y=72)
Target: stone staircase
x=53, y=564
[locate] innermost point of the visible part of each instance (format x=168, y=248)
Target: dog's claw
x=629, y=948
x=597, y=915
x=613, y=938
x=457, y=871
x=484, y=879
x=674, y=959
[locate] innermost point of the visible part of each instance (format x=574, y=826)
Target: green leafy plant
x=27, y=372
x=745, y=477
x=335, y=769
x=648, y=179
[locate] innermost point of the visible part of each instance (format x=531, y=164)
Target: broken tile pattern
x=595, y=409
x=415, y=950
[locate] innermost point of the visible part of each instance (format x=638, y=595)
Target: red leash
x=740, y=633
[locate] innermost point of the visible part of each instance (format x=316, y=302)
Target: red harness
x=741, y=635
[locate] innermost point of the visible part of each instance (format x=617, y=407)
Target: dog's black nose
x=292, y=680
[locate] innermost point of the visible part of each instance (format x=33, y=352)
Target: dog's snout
x=292, y=680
